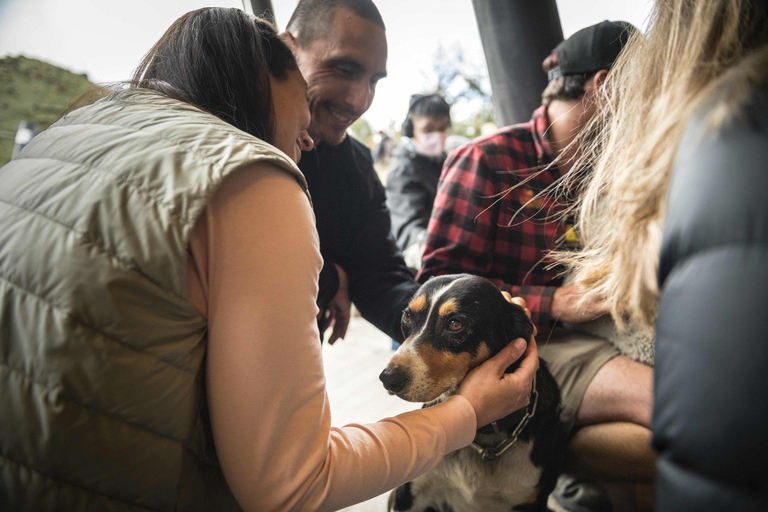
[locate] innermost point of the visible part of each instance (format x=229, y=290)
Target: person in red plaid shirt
x=495, y=216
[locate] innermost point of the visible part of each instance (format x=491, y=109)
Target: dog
x=451, y=325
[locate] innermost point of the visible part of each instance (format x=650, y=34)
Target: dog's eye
x=407, y=316
x=455, y=325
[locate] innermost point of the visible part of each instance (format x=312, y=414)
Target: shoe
x=573, y=494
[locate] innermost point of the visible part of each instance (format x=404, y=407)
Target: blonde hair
x=711, y=51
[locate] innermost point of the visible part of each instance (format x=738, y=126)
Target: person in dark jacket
x=687, y=140
x=341, y=49
x=414, y=172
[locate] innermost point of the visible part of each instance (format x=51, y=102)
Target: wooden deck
x=352, y=368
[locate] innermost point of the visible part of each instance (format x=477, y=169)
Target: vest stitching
x=203, y=118
x=80, y=487
x=91, y=408
x=90, y=327
x=186, y=147
x=265, y=154
x=120, y=180
x=93, y=242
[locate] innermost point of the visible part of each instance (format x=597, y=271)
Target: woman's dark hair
x=567, y=87
x=220, y=60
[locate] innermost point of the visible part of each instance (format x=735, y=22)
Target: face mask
x=430, y=144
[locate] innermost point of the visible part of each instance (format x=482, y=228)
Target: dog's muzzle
x=395, y=378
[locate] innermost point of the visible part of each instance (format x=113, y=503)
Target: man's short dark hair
x=568, y=87
x=312, y=19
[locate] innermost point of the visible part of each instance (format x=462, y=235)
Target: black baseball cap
x=591, y=49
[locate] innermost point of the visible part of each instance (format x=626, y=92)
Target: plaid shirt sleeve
x=464, y=233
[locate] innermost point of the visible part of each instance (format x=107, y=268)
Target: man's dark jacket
x=355, y=232
x=711, y=378
x=411, y=188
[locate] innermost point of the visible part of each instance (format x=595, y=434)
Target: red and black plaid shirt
x=485, y=222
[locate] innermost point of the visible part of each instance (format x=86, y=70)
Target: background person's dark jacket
x=411, y=187
x=354, y=228
x=711, y=381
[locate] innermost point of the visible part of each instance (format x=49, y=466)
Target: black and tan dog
x=452, y=324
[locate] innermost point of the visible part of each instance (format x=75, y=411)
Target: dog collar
x=492, y=453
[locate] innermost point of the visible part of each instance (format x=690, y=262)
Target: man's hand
x=565, y=306
x=339, y=309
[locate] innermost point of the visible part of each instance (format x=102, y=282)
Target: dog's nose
x=395, y=378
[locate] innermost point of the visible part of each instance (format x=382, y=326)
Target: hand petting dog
x=495, y=394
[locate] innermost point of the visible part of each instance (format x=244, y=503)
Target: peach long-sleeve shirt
x=253, y=273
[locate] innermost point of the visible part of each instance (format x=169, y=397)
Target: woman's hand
x=495, y=394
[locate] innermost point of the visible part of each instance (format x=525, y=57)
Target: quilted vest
x=102, y=396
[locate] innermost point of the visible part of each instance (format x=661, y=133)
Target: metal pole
x=517, y=35
x=260, y=8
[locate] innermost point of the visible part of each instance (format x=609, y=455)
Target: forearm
x=380, y=283
x=363, y=461
x=328, y=284
x=381, y=295
x=266, y=389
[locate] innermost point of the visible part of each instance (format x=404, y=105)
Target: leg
x=622, y=390
x=618, y=452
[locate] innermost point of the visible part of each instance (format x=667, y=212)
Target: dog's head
x=452, y=324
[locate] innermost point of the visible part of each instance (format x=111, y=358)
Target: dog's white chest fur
x=469, y=484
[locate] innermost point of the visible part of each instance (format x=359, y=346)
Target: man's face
x=342, y=69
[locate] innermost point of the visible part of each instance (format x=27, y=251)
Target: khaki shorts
x=574, y=359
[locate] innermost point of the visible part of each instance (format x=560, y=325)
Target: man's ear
x=595, y=85
x=290, y=40
x=600, y=77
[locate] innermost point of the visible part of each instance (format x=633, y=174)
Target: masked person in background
x=414, y=172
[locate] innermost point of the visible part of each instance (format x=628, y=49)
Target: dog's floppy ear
x=516, y=325
x=516, y=322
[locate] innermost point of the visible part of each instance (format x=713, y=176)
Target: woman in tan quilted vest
x=158, y=273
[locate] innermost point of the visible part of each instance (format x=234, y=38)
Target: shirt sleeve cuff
x=459, y=422
x=545, y=320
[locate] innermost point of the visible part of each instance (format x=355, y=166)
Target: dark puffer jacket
x=411, y=187
x=711, y=406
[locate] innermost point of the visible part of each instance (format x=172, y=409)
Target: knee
x=622, y=390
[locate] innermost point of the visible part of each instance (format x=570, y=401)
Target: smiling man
x=341, y=49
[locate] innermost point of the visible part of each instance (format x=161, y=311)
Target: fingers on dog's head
x=517, y=322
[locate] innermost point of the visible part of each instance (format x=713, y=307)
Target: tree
x=467, y=88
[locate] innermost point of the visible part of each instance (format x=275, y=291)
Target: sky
x=107, y=39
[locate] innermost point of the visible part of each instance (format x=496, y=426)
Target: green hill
x=33, y=90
